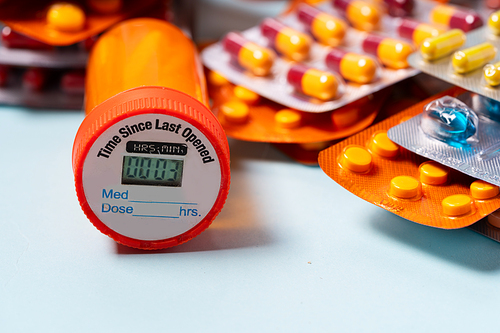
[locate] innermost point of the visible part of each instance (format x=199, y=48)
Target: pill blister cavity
x=457, y=205
x=381, y=145
x=449, y=120
x=235, y=112
x=482, y=190
x=405, y=187
x=66, y=17
x=356, y=159
x=442, y=45
x=216, y=79
x=288, y=119
x=494, y=219
x=472, y=58
x=246, y=95
x=489, y=107
x=433, y=173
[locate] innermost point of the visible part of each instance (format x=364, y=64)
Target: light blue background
x=290, y=252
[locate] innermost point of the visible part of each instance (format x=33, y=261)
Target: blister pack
x=247, y=116
x=42, y=87
x=19, y=50
x=489, y=226
x=471, y=61
x=379, y=171
x=67, y=23
x=310, y=59
x=461, y=132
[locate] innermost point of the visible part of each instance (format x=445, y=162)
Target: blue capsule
x=449, y=120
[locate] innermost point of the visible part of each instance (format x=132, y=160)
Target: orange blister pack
x=374, y=168
x=249, y=117
x=70, y=22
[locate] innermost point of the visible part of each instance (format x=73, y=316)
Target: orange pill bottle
x=151, y=161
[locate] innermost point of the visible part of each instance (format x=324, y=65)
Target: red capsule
x=363, y=15
x=417, y=31
x=313, y=82
x=287, y=41
x=73, y=82
x=35, y=79
x=392, y=53
x=456, y=18
x=249, y=55
x=354, y=67
x=326, y=28
x=14, y=40
x=400, y=8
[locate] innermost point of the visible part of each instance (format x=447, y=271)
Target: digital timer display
x=139, y=170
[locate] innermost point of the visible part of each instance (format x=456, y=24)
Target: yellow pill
x=246, y=95
x=381, y=145
x=287, y=41
x=392, y=53
x=442, y=45
x=405, y=187
x=472, y=58
x=235, y=112
x=288, y=118
x=313, y=82
x=216, y=79
x=456, y=205
x=494, y=22
x=482, y=190
x=491, y=74
x=354, y=67
x=433, y=173
x=257, y=59
x=105, y=6
x=66, y=17
x=356, y=159
x=494, y=219
x=326, y=28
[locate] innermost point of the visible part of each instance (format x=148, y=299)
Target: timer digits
x=151, y=161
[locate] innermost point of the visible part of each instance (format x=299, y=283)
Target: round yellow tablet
x=216, y=79
x=288, y=118
x=494, y=219
x=66, y=17
x=246, y=95
x=356, y=159
x=235, y=112
x=433, y=173
x=457, y=204
x=405, y=187
x=482, y=190
x=381, y=145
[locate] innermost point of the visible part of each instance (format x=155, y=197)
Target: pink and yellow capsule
x=392, y=53
x=314, y=82
x=291, y=43
x=326, y=28
x=354, y=67
x=253, y=57
x=456, y=18
x=417, y=31
x=362, y=15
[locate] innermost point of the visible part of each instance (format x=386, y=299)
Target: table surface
x=291, y=251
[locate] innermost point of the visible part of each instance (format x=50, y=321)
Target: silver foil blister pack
x=478, y=156
x=275, y=86
x=473, y=81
